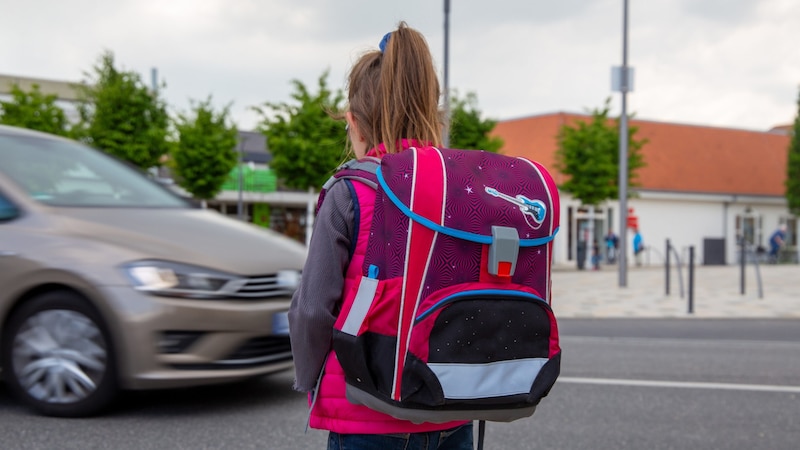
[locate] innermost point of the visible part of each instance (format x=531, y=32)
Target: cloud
x=715, y=62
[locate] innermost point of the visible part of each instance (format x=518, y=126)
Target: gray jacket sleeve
x=315, y=303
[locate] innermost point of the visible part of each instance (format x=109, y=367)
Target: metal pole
x=240, y=203
x=446, y=130
x=154, y=79
x=742, y=262
x=691, y=279
x=623, y=154
x=666, y=264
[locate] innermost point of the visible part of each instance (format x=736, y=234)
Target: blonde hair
x=394, y=94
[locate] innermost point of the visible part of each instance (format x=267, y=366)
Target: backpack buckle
x=503, y=251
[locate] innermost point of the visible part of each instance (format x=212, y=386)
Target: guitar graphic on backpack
x=533, y=209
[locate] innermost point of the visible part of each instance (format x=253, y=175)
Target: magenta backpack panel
x=483, y=189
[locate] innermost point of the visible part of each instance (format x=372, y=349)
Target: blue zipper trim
x=456, y=233
x=493, y=292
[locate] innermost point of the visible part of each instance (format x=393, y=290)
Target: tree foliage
x=34, y=110
x=793, y=167
x=122, y=116
x=467, y=129
x=307, y=142
x=588, y=153
x=205, y=152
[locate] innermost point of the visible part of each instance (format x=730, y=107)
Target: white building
x=702, y=187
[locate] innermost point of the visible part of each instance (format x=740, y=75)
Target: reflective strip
x=430, y=200
x=471, y=381
x=361, y=305
x=553, y=230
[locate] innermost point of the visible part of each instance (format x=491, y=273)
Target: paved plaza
x=717, y=292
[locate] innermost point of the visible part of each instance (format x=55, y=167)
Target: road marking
x=707, y=342
x=681, y=384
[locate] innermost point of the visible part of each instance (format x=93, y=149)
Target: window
x=748, y=226
x=60, y=172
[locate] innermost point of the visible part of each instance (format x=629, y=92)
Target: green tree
x=122, y=116
x=588, y=153
x=34, y=110
x=307, y=142
x=793, y=167
x=467, y=129
x=205, y=152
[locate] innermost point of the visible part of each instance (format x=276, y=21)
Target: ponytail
x=394, y=92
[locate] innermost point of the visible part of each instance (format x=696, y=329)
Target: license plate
x=280, y=324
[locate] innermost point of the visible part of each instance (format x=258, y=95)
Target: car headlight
x=180, y=280
x=288, y=279
x=183, y=280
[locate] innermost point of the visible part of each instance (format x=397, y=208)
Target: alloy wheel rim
x=59, y=356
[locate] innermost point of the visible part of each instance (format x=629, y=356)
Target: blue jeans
x=459, y=438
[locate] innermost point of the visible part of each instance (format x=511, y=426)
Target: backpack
x=451, y=319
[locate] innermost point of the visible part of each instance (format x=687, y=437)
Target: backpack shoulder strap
x=359, y=169
x=363, y=170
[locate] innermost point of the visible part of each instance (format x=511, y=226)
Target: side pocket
x=361, y=302
x=351, y=352
x=367, y=361
x=545, y=380
x=364, y=346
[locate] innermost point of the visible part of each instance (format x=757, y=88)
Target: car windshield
x=60, y=172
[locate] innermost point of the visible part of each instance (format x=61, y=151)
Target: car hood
x=193, y=236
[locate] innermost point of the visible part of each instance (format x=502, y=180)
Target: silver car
x=109, y=281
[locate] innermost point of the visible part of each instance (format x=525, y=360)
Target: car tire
x=57, y=356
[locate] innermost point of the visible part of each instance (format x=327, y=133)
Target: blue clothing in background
x=637, y=243
x=775, y=242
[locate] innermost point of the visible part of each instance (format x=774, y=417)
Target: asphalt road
x=625, y=384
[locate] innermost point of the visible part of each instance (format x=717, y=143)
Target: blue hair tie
x=384, y=41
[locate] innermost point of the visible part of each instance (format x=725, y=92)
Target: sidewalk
x=717, y=292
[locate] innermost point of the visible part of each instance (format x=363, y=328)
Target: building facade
x=702, y=187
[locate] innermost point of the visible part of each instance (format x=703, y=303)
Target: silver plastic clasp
x=503, y=251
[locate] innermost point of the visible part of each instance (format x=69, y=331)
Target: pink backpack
x=451, y=318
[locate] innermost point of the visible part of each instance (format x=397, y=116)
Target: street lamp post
x=625, y=83
x=240, y=203
x=446, y=130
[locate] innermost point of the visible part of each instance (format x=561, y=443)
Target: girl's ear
x=352, y=128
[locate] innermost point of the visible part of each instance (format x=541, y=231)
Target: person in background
x=776, y=242
x=612, y=244
x=596, y=256
x=638, y=247
x=393, y=104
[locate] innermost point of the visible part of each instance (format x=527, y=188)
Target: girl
x=393, y=96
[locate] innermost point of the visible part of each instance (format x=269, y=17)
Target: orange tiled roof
x=683, y=158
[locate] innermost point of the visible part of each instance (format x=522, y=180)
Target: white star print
x=468, y=189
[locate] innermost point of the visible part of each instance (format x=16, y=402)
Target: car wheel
x=57, y=356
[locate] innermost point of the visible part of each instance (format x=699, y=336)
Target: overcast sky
x=730, y=63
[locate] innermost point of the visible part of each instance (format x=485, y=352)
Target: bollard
x=742, y=262
x=666, y=258
x=691, y=279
